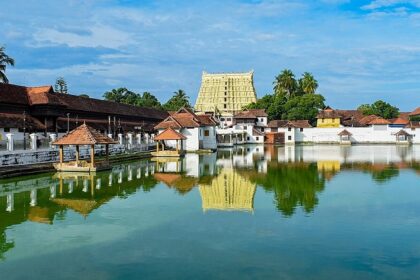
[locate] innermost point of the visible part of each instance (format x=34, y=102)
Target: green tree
x=148, y=100
x=303, y=107
x=177, y=101
x=262, y=103
x=276, y=108
x=4, y=61
x=308, y=84
x=285, y=82
x=60, y=85
x=121, y=95
x=380, y=108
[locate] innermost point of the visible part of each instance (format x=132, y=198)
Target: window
x=225, y=88
x=261, y=120
x=274, y=129
x=289, y=137
x=225, y=99
x=245, y=127
x=222, y=119
x=301, y=129
x=262, y=129
x=224, y=106
x=206, y=133
x=247, y=138
x=289, y=129
x=228, y=119
x=225, y=93
x=6, y=129
x=257, y=138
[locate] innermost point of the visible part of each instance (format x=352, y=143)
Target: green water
x=255, y=212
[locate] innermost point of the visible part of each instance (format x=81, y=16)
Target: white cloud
x=98, y=36
x=378, y=4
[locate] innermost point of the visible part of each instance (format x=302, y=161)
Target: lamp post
x=24, y=129
x=68, y=123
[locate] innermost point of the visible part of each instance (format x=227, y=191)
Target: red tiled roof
x=84, y=135
x=399, y=120
x=367, y=119
x=277, y=123
x=415, y=112
x=186, y=118
x=379, y=121
x=170, y=134
x=286, y=123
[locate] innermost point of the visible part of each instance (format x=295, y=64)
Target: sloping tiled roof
x=170, y=134
x=413, y=124
x=344, y=132
x=400, y=121
x=415, y=112
x=186, y=118
x=402, y=132
x=300, y=123
x=256, y=132
x=13, y=94
x=251, y=114
x=16, y=121
x=378, y=121
x=84, y=135
x=277, y=123
x=367, y=119
x=43, y=96
x=328, y=113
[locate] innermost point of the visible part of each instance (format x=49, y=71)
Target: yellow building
x=225, y=93
x=228, y=191
x=328, y=118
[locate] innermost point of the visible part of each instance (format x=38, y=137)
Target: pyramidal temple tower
x=225, y=93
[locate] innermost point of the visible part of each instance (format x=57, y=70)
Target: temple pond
x=252, y=212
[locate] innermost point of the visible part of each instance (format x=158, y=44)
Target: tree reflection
x=293, y=185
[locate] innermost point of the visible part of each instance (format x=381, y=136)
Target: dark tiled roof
x=251, y=114
x=300, y=123
x=13, y=94
x=344, y=132
x=286, y=123
x=328, y=113
x=277, y=123
x=16, y=121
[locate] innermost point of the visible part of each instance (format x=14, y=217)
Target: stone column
x=34, y=138
x=120, y=139
x=130, y=140
x=110, y=135
x=52, y=136
x=98, y=183
x=10, y=202
x=110, y=179
x=53, y=191
x=33, y=197
x=120, y=177
x=130, y=173
x=146, y=139
x=138, y=137
x=10, y=145
x=70, y=186
x=138, y=173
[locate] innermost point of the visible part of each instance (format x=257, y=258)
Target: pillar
x=70, y=186
x=85, y=185
x=10, y=145
x=53, y=137
x=110, y=179
x=130, y=140
x=10, y=202
x=61, y=155
x=120, y=139
x=33, y=197
x=98, y=183
x=157, y=146
x=34, y=138
x=138, y=173
x=92, y=156
x=110, y=135
x=77, y=155
x=146, y=139
x=53, y=191
x=138, y=137
x=120, y=175
x=130, y=173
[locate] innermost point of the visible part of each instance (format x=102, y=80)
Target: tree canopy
x=5, y=60
x=177, y=101
x=123, y=95
x=380, y=108
x=60, y=85
x=291, y=99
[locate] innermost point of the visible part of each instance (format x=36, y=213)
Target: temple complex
x=225, y=93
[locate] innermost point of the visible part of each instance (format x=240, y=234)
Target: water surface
x=254, y=212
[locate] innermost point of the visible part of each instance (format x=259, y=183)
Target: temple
x=225, y=93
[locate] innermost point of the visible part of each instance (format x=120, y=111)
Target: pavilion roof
x=170, y=134
x=402, y=132
x=344, y=132
x=84, y=135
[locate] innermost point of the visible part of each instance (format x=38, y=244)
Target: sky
x=359, y=51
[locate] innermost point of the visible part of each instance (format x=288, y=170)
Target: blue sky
x=359, y=51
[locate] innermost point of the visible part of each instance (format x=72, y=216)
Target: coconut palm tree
x=4, y=61
x=285, y=82
x=307, y=83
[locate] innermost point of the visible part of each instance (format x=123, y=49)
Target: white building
x=200, y=130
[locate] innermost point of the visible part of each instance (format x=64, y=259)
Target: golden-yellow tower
x=225, y=93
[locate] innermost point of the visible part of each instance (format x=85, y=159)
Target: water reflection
x=225, y=181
